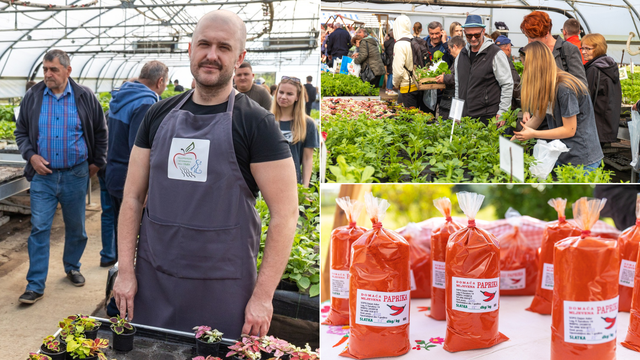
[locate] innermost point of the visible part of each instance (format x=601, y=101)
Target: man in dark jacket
x=338, y=43
x=312, y=93
x=435, y=43
x=127, y=108
x=456, y=44
x=505, y=45
x=62, y=134
x=482, y=75
x=369, y=54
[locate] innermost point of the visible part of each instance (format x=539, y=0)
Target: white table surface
x=529, y=335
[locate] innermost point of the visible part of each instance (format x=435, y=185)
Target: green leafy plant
x=519, y=67
x=345, y=85
x=346, y=173
x=78, y=324
x=7, y=113
x=81, y=348
x=6, y=130
x=120, y=325
x=207, y=335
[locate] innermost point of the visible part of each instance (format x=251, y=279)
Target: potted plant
x=247, y=348
x=53, y=348
x=88, y=349
x=304, y=353
x=278, y=347
x=123, y=333
x=34, y=356
x=206, y=358
x=207, y=340
x=79, y=324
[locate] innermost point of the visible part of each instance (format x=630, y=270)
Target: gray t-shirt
x=260, y=95
x=297, y=149
x=584, y=145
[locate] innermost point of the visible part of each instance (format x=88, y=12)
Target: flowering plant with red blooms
x=324, y=136
x=353, y=108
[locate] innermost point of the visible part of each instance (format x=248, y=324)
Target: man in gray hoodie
x=482, y=75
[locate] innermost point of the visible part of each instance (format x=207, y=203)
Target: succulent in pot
x=123, y=334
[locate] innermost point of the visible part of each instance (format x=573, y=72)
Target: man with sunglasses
x=482, y=75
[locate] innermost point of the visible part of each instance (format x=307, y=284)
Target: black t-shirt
x=297, y=149
x=472, y=55
x=256, y=134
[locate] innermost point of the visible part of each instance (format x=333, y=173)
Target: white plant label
x=590, y=322
x=512, y=159
x=439, y=279
x=627, y=273
x=623, y=73
x=188, y=159
x=475, y=295
x=413, y=281
x=456, y=109
x=340, y=284
x=547, y=276
x=383, y=309
x=513, y=279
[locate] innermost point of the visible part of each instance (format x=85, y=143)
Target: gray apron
x=200, y=232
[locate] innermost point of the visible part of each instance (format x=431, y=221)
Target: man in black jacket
x=62, y=133
x=338, y=43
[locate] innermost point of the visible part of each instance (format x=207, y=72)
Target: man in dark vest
x=482, y=75
x=198, y=161
x=312, y=93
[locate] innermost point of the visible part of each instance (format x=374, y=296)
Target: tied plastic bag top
x=554, y=231
x=628, y=245
x=585, y=291
x=439, y=240
x=379, y=289
x=420, y=262
x=472, y=273
x=518, y=259
x=341, y=240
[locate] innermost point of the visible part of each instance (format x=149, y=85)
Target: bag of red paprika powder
x=379, y=290
x=633, y=332
x=439, y=239
x=553, y=232
x=341, y=240
x=472, y=273
x=585, y=291
x=628, y=245
x=518, y=259
x=420, y=262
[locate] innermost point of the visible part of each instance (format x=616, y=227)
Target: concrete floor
x=22, y=327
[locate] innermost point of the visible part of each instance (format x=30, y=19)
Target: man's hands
x=257, y=316
x=124, y=290
x=499, y=123
x=355, y=55
x=93, y=170
x=440, y=79
x=40, y=165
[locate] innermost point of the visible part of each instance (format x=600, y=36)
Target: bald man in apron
x=201, y=158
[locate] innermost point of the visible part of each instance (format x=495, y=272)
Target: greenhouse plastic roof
x=614, y=19
x=110, y=40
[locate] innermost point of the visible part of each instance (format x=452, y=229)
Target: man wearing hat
x=482, y=75
x=505, y=45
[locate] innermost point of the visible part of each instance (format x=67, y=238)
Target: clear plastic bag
x=342, y=238
x=546, y=154
x=420, y=262
x=628, y=244
x=518, y=259
x=585, y=291
x=472, y=273
x=379, y=289
x=634, y=135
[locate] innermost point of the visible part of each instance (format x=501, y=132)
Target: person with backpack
x=604, y=86
x=369, y=54
x=482, y=75
x=408, y=51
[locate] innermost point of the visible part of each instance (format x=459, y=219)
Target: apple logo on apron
x=188, y=159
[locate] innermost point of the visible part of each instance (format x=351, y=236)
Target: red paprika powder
x=379, y=290
x=439, y=239
x=420, y=262
x=585, y=291
x=341, y=240
x=628, y=245
x=633, y=332
x=518, y=259
x=555, y=231
x=472, y=273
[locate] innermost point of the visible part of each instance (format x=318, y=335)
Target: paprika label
x=340, y=284
x=413, y=281
x=590, y=322
x=475, y=295
x=384, y=309
x=627, y=272
x=513, y=279
x=547, y=276
x=439, y=277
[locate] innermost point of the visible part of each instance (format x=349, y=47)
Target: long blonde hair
x=299, y=124
x=541, y=78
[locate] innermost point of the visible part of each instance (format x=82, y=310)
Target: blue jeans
x=69, y=188
x=108, y=252
x=390, y=82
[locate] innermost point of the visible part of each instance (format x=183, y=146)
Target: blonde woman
x=299, y=129
x=547, y=88
x=455, y=29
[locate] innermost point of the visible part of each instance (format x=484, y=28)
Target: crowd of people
x=570, y=89
x=183, y=173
